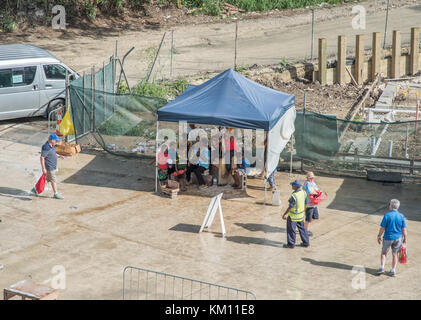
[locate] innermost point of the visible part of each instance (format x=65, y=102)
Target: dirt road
x=210, y=47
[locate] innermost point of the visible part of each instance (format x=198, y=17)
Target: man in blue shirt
x=393, y=226
x=49, y=164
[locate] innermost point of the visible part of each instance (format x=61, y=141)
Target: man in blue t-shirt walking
x=49, y=163
x=393, y=226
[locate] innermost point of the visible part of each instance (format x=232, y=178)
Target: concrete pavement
x=110, y=218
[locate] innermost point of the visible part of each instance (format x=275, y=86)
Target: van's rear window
x=17, y=77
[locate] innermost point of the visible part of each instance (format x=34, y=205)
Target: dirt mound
x=332, y=99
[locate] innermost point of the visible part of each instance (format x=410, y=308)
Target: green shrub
x=90, y=10
x=7, y=22
x=165, y=90
x=151, y=90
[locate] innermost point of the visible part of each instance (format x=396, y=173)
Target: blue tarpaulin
x=229, y=100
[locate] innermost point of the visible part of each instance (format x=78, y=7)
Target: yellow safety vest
x=297, y=212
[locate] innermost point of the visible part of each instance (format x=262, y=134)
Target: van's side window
x=17, y=77
x=55, y=72
x=6, y=78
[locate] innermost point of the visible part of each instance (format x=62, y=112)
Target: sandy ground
x=110, y=218
x=207, y=44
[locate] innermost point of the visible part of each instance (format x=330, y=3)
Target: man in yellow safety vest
x=296, y=212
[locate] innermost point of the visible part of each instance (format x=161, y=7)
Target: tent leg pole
x=266, y=163
x=156, y=158
x=264, y=201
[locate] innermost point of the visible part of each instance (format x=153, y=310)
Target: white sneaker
x=58, y=196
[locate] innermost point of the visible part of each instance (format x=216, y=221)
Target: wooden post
x=351, y=76
x=322, y=60
x=340, y=69
x=377, y=52
x=359, y=58
x=415, y=51
x=396, y=54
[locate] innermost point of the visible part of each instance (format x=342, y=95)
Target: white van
x=32, y=81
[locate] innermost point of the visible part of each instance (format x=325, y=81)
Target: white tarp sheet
x=278, y=138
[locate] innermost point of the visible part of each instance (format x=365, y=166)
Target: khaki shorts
x=394, y=244
x=51, y=176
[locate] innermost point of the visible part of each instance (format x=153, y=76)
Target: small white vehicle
x=32, y=81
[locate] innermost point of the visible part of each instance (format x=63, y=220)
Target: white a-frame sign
x=214, y=204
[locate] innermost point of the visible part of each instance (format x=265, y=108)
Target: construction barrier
x=58, y=116
x=144, y=284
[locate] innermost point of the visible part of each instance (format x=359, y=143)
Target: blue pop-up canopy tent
x=232, y=100
x=229, y=100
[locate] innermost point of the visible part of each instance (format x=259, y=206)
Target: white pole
x=156, y=157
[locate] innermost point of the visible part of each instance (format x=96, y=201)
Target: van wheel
x=54, y=106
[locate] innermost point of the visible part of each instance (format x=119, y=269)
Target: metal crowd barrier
x=144, y=284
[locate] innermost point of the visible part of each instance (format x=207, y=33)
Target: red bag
x=403, y=256
x=178, y=173
x=317, y=197
x=41, y=184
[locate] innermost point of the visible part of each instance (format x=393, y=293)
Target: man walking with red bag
x=393, y=226
x=49, y=164
x=312, y=212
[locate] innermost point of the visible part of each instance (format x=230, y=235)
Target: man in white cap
x=312, y=212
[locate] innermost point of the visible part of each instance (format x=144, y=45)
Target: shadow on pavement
x=337, y=265
x=184, y=227
x=371, y=197
x=260, y=241
x=110, y=171
x=260, y=227
x=15, y=193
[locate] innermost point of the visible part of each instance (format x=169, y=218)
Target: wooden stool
x=30, y=290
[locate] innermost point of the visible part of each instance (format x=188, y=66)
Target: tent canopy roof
x=229, y=100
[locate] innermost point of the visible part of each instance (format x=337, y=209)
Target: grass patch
x=165, y=90
x=213, y=7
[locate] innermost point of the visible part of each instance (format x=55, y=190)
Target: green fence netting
x=124, y=124
x=325, y=142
